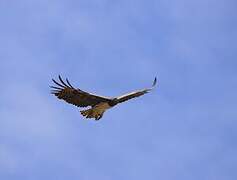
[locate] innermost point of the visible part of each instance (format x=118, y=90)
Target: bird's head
x=113, y=102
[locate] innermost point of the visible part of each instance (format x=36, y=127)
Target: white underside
x=101, y=108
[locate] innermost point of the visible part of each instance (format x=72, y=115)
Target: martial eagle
x=99, y=104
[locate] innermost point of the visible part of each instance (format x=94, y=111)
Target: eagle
x=98, y=104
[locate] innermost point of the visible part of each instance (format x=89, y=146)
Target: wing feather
x=75, y=96
x=63, y=82
x=135, y=94
x=58, y=83
x=69, y=83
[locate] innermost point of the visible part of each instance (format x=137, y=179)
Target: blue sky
x=185, y=129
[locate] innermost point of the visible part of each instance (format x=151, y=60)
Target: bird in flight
x=99, y=104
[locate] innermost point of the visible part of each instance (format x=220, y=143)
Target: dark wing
x=134, y=94
x=75, y=96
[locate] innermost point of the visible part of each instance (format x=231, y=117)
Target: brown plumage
x=99, y=104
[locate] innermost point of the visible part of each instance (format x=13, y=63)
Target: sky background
x=184, y=130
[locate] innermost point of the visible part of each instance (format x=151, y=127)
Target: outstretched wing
x=134, y=94
x=75, y=96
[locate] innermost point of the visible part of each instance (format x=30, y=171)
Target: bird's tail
x=87, y=113
x=90, y=113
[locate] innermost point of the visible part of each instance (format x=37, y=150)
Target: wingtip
x=154, y=82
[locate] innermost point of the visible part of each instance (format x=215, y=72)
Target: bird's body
x=99, y=104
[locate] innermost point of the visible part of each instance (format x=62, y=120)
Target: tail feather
x=89, y=113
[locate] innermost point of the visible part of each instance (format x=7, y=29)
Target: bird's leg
x=98, y=117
